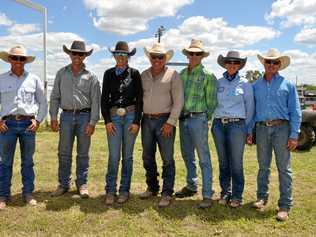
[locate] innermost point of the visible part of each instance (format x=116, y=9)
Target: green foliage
x=253, y=75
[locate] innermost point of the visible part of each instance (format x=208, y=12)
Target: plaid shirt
x=199, y=90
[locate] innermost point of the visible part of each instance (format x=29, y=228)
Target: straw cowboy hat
x=77, y=46
x=158, y=48
x=195, y=46
x=274, y=54
x=122, y=47
x=231, y=56
x=16, y=51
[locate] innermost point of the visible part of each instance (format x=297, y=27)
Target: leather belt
x=271, y=123
x=184, y=116
x=18, y=117
x=230, y=120
x=121, y=111
x=156, y=116
x=77, y=111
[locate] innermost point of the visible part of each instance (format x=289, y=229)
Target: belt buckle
x=224, y=120
x=18, y=117
x=269, y=123
x=121, y=111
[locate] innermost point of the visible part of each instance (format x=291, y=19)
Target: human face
x=232, y=66
x=158, y=62
x=195, y=58
x=271, y=66
x=17, y=63
x=121, y=59
x=77, y=58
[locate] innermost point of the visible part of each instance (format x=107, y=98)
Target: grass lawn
x=70, y=216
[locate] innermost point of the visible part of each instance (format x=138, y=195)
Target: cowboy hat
x=122, y=47
x=158, y=48
x=77, y=46
x=274, y=54
x=195, y=46
x=16, y=51
x=231, y=56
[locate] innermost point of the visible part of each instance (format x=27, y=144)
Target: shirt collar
x=275, y=77
x=25, y=73
x=82, y=69
x=229, y=77
x=119, y=71
x=196, y=69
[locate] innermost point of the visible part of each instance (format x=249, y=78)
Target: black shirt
x=121, y=91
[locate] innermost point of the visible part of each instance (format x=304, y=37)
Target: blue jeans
x=230, y=142
x=17, y=130
x=71, y=126
x=123, y=141
x=151, y=136
x=194, y=136
x=268, y=139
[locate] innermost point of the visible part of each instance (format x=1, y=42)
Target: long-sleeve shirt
x=278, y=99
x=199, y=90
x=121, y=90
x=235, y=99
x=75, y=93
x=22, y=95
x=163, y=93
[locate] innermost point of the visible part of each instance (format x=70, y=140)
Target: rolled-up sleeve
x=177, y=96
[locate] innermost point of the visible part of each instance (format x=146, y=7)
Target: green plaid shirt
x=199, y=90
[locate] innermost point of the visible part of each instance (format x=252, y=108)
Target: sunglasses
x=80, y=54
x=18, y=58
x=195, y=53
x=272, y=62
x=120, y=54
x=232, y=62
x=160, y=57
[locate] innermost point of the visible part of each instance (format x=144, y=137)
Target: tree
x=253, y=75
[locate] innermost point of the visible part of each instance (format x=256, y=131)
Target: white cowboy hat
x=16, y=51
x=274, y=54
x=195, y=46
x=231, y=56
x=158, y=48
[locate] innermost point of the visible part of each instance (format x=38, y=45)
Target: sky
x=249, y=26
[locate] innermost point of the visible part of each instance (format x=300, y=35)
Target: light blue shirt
x=22, y=95
x=235, y=99
x=278, y=99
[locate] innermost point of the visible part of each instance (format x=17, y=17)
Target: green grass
x=70, y=216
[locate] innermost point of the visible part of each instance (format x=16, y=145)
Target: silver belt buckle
x=269, y=123
x=121, y=111
x=224, y=120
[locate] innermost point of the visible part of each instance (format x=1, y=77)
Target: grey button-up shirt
x=22, y=95
x=75, y=93
x=163, y=94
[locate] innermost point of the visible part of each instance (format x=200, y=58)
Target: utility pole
x=159, y=33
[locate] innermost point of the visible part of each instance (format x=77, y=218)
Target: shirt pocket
x=84, y=85
x=8, y=94
x=28, y=95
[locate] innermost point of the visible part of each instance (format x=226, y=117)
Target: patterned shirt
x=22, y=95
x=199, y=90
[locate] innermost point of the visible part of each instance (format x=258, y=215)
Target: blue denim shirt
x=235, y=99
x=278, y=99
x=22, y=95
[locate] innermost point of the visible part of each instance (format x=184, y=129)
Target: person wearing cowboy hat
x=77, y=92
x=121, y=107
x=277, y=122
x=163, y=101
x=200, y=101
x=230, y=127
x=23, y=108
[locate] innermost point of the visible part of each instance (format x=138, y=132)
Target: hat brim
x=5, y=57
x=285, y=60
x=68, y=51
x=131, y=53
x=186, y=51
x=221, y=61
x=169, y=53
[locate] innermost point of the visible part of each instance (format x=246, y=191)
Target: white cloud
x=306, y=36
x=4, y=20
x=293, y=12
x=128, y=17
x=21, y=29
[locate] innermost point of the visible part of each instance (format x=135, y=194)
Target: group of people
x=154, y=100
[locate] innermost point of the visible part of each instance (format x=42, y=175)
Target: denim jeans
x=151, y=136
x=268, y=139
x=17, y=130
x=71, y=126
x=194, y=136
x=123, y=141
x=230, y=142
